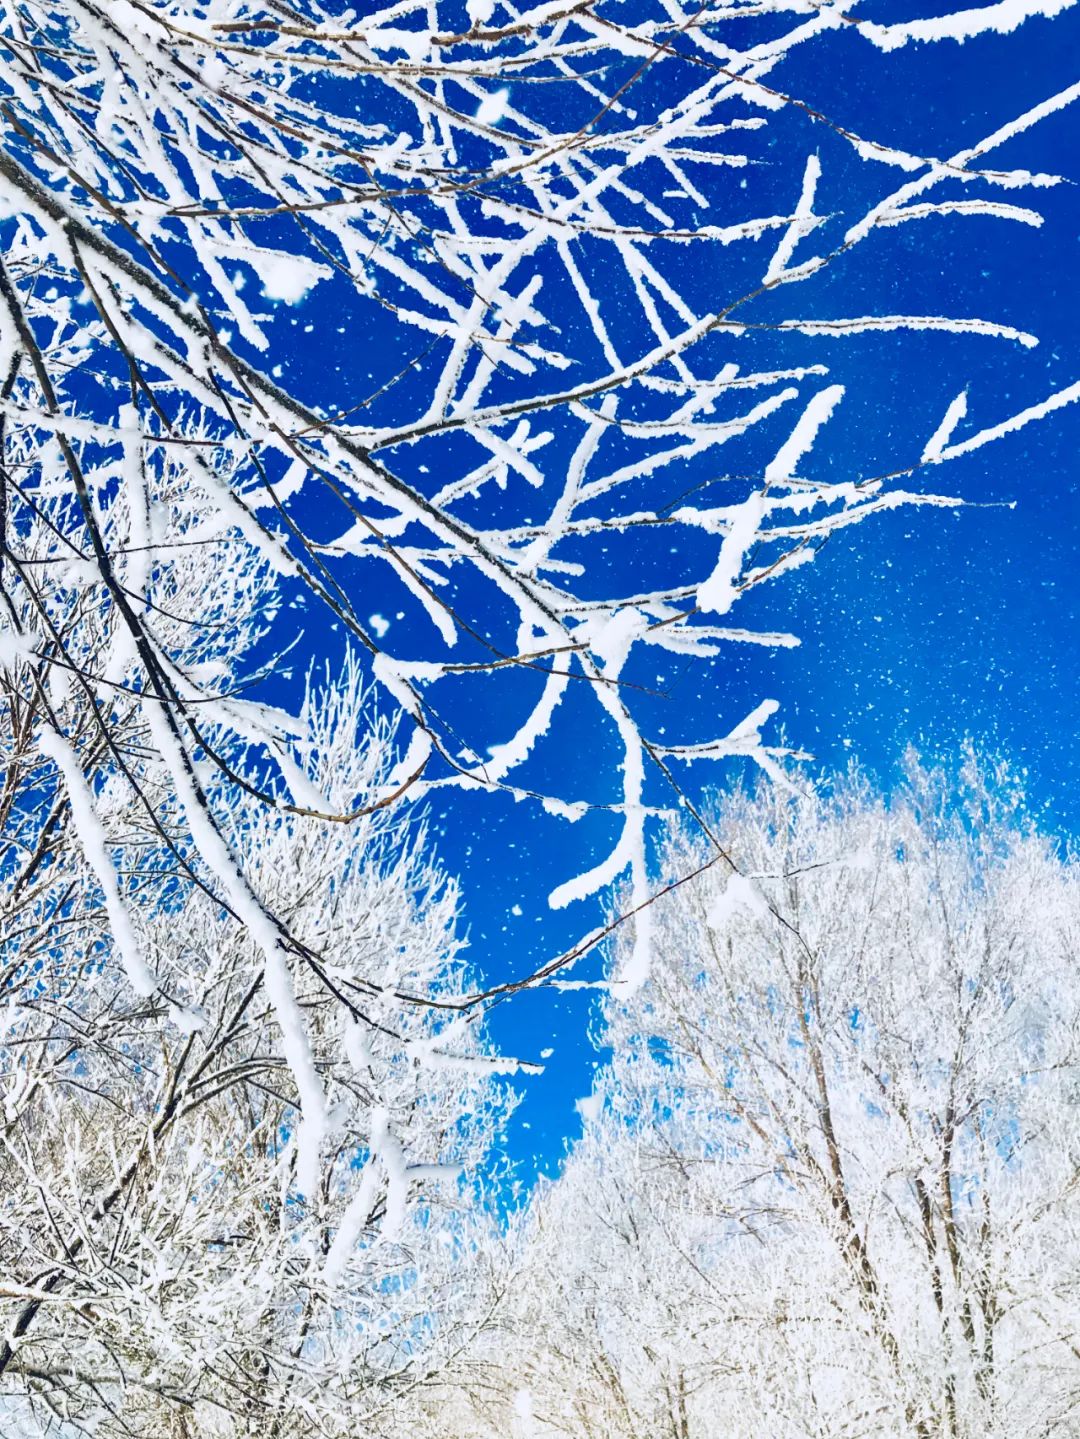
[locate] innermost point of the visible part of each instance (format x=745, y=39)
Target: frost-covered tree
x=175, y=1261
x=162, y=1274
x=829, y=1183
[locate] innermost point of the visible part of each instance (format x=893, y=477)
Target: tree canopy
x=828, y=1179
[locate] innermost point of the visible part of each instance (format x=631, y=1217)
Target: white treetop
x=828, y=1182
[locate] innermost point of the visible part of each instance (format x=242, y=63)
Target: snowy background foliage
x=828, y=1178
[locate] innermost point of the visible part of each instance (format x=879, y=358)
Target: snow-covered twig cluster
x=521, y=196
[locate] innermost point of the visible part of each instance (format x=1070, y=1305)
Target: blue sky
x=920, y=626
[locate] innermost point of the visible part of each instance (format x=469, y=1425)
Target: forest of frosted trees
x=571, y=317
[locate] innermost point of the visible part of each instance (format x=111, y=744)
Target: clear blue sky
x=922, y=626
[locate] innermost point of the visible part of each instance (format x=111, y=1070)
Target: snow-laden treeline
x=828, y=1180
